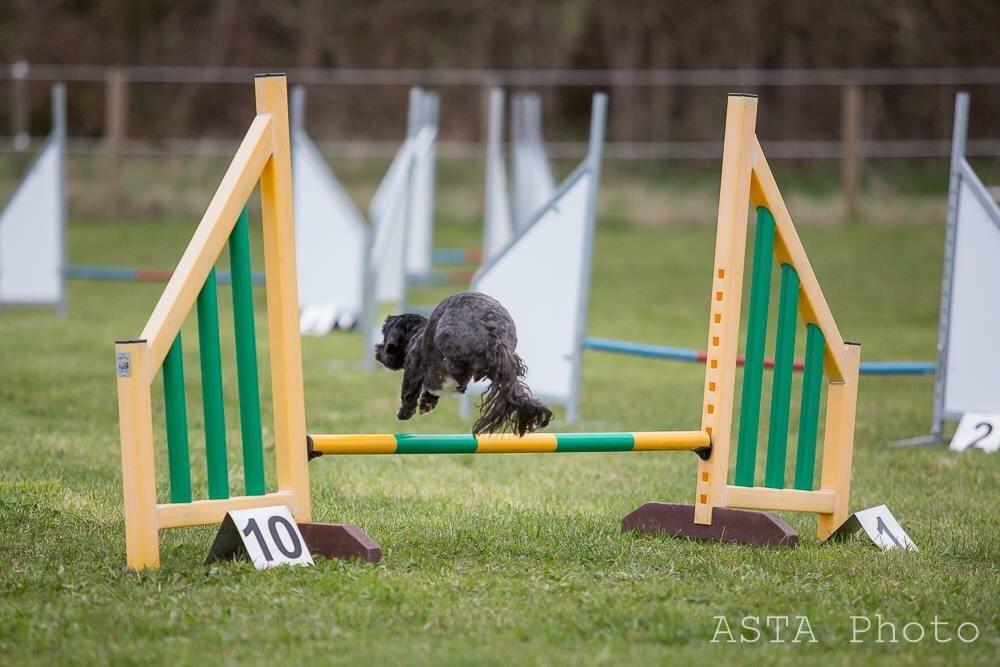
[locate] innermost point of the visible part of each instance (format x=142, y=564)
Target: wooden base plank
x=340, y=541
x=728, y=525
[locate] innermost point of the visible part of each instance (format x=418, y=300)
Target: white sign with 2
x=977, y=430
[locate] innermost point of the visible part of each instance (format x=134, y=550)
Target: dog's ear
x=409, y=324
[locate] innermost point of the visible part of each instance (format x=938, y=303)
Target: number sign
x=977, y=431
x=880, y=526
x=267, y=535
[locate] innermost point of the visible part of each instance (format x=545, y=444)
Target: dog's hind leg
x=410, y=392
x=460, y=373
x=428, y=402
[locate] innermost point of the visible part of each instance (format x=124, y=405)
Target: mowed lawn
x=495, y=560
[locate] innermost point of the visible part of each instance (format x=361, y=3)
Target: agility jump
x=718, y=512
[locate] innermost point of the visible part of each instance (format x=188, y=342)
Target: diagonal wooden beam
x=208, y=241
x=789, y=249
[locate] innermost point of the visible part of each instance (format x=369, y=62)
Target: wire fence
x=812, y=114
x=947, y=76
x=137, y=97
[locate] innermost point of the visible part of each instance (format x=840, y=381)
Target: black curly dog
x=468, y=336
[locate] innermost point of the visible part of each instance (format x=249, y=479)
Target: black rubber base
x=340, y=541
x=728, y=525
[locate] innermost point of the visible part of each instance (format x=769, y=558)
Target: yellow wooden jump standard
x=747, y=179
x=263, y=157
x=720, y=511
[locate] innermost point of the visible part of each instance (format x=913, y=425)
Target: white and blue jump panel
x=33, y=224
x=498, y=227
x=537, y=278
x=534, y=181
x=542, y=277
x=342, y=260
x=331, y=237
x=388, y=211
x=391, y=213
x=971, y=363
x=424, y=111
x=967, y=377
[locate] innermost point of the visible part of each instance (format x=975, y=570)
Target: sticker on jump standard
x=123, y=364
x=880, y=526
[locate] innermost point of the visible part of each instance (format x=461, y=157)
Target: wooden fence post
x=850, y=144
x=20, y=137
x=485, y=91
x=115, y=128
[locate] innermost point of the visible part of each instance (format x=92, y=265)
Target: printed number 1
x=884, y=530
x=272, y=526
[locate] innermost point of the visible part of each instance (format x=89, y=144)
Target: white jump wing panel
x=31, y=235
x=421, y=230
x=533, y=181
x=538, y=279
x=388, y=214
x=498, y=225
x=392, y=215
x=972, y=365
x=330, y=242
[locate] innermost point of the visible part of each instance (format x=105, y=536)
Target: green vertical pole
x=805, y=451
x=753, y=369
x=179, y=461
x=246, y=357
x=211, y=386
x=781, y=385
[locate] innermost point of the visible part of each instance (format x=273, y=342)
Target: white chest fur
x=449, y=385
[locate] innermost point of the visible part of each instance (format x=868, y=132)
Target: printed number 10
x=272, y=526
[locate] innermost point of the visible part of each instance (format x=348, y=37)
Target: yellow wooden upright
x=726, y=297
x=283, y=299
x=838, y=442
x=135, y=421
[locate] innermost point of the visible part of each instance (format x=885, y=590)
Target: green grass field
x=491, y=560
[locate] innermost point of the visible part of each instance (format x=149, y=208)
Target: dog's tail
x=508, y=404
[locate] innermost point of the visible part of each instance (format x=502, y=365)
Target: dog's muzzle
x=388, y=359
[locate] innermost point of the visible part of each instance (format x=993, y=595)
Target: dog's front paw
x=404, y=413
x=427, y=403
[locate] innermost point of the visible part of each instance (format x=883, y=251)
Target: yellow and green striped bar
x=535, y=443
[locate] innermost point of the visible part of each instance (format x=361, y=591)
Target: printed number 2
x=272, y=526
x=989, y=430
